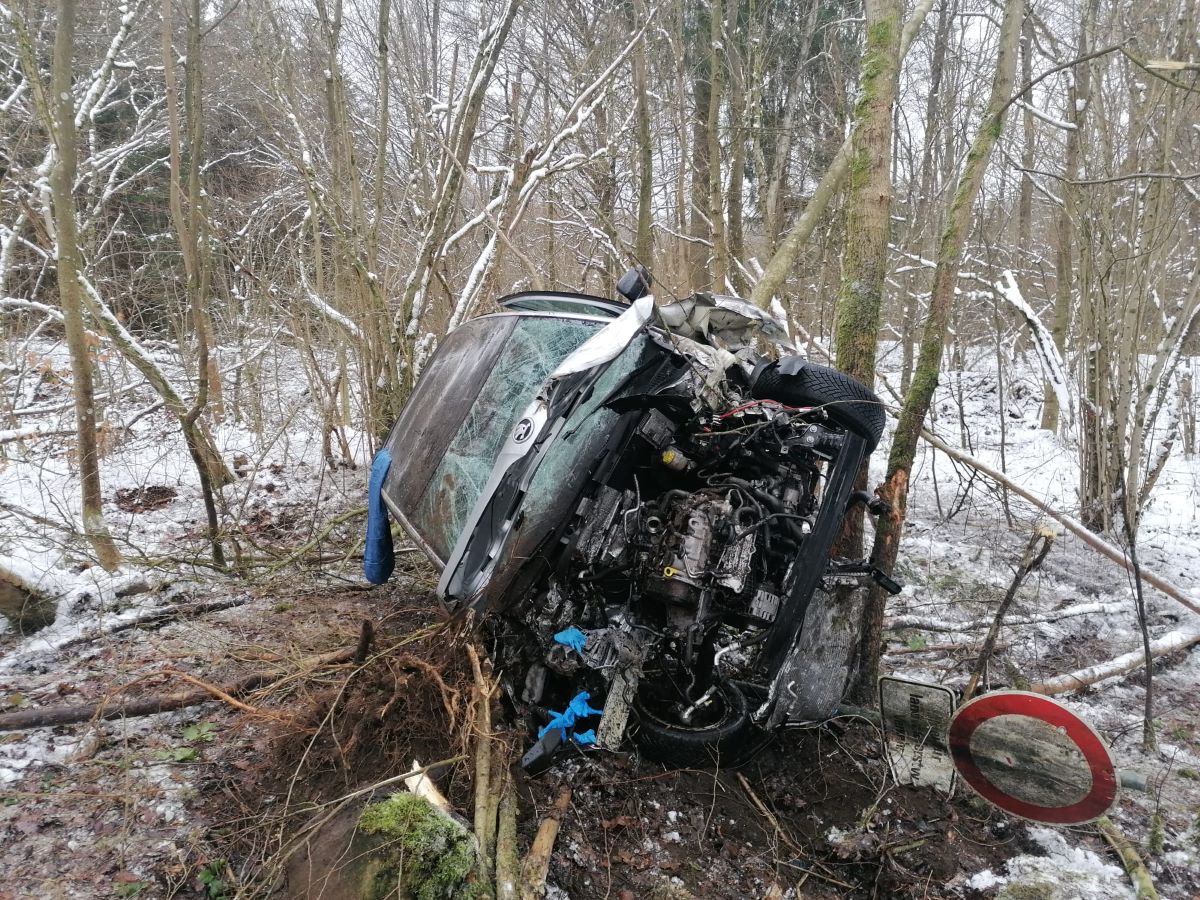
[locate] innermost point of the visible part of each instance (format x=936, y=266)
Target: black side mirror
x=635, y=283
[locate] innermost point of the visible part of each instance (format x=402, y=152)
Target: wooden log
x=508, y=864
x=1072, y=681
x=1133, y=864
x=537, y=863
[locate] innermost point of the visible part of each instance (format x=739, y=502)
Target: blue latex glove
x=579, y=706
x=573, y=638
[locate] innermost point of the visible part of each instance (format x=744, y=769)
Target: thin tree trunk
x=739, y=116
x=1025, y=202
x=700, y=230
x=643, y=244
x=190, y=219
x=716, y=199
x=781, y=263
x=864, y=260
x=920, y=395
x=1078, y=95
x=60, y=115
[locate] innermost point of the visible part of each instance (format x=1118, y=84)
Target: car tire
x=846, y=400
x=686, y=747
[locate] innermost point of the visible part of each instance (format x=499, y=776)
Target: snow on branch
x=1046, y=117
x=1171, y=642
x=327, y=312
x=131, y=349
x=1053, y=367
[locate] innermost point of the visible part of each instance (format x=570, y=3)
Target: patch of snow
x=985, y=880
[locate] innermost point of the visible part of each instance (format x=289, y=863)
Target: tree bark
x=701, y=229
x=716, y=193
x=917, y=402
x=643, y=244
x=191, y=228
x=60, y=114
x=784, y=258
x=1064, y=272
x=864, y=260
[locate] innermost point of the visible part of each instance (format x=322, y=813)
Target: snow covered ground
x=957, y=559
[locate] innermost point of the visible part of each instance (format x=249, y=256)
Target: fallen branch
x=779, y=830
x=897, y=623
x=1133, y=864
x=219, y=693
x=1171, y=642
x=508, y=866
x=1072, y=525
x=49, y=716
x=537, y=863
x=32, y=431
x=936, y=648
x=318, y=538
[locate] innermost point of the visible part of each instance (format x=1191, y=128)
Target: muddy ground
x=205, y=802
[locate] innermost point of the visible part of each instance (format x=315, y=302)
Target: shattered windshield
x=467, y=401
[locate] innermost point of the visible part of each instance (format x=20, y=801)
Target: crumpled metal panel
x=446, y=440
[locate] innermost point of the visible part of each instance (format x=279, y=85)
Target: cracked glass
x=448, y=436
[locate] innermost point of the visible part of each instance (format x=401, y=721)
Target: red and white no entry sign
x=1033, y=757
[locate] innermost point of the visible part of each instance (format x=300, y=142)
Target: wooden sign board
x=1033, y=758
x=915, y=718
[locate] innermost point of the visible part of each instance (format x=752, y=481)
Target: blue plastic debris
x=564, y=721
x=585, y=738
x=573, y=638
x=379, y=556
x=579, y=706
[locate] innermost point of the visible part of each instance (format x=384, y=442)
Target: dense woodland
x=188, y=190
x=358, y=179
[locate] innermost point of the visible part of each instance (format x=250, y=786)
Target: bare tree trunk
x=864, y=260
x=643, y=244
x=701, y=230
x=739, y=116
x=716, y=199
x=1025, y=202
x=1078, y=95
x=191, y=227
x=59, y=112
x=785, y=256
x=920, y=395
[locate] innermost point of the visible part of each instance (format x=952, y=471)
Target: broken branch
x=1169, y=643
x=48, y=716
x=537, y=864
x=1035, y=554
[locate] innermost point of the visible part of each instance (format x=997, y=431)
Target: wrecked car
x=638, y=503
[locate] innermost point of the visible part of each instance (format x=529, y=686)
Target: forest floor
x=207, y=801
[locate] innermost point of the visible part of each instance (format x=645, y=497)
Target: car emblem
x=523, y=431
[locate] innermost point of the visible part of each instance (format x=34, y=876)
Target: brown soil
x=634, y=828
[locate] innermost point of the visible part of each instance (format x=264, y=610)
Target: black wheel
x=846, y=400
x=717, y=733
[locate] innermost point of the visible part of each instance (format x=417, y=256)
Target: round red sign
x=1033, y=757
